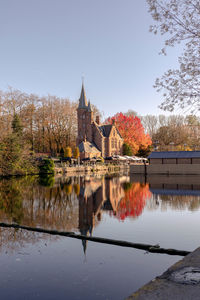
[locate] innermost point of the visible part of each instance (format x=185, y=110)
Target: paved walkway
x=181, y=281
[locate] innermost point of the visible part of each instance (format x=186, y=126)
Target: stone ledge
x=89, y=169
x=181, y=281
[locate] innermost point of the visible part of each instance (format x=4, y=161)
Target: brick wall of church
x=89, y=121
x=81, y=126
x=97, y=138
x=85, y=119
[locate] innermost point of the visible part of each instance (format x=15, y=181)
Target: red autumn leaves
x=133, y=202
x=132, y=131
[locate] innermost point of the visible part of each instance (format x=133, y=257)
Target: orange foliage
x=133, y=203
x=132, y=131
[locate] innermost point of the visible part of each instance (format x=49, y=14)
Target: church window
x=115, y=143
x=112, y=143
x=83, y=125
x=114, y=132
x=83, y=116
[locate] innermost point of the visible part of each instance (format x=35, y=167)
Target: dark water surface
x=155, y=210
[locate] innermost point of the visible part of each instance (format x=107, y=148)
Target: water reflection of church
x=96, y=195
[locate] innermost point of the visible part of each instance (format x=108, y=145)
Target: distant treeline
x=174, y=132
x=49, y=122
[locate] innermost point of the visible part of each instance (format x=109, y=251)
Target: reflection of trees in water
x=153, y=203
x=27, y=202
x=11, y=200
x=34, y=201
x=175, y=202
x=24, y=201
x=12, y=240
x=75, y=203
x=57, y=204
x=47, y=180
x=134, y=200
x=54, y=207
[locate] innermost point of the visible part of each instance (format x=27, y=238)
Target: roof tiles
x=175, y=154
x=88, y=147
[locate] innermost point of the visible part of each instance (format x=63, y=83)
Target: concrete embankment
x=181, y=282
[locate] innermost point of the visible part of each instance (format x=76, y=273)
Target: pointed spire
x=82, y=99
x=89, y=106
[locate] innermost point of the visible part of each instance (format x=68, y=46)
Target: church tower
x=85, y=118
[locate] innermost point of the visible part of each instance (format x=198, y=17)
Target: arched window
x=115, y=143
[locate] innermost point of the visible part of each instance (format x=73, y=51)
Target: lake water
x=155, y=210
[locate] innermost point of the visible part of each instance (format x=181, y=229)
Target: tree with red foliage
x=131, y=130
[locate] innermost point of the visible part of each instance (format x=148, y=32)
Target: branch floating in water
x=146, y=247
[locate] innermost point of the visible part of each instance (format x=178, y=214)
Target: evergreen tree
x=47, y=166
x=127, y=150
x=62, y=152
x=16, y=125
x=144, y=152
x=15, y=156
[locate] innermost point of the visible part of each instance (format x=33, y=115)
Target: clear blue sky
x=47, y=46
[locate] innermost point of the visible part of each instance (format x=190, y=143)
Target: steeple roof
x=89, y=106
x=82, y=99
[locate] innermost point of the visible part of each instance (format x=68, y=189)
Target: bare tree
x=150, y=124
x=131, y=112
x=179, y=21
x=49, y=122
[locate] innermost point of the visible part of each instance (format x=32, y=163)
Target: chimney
x=97, y=120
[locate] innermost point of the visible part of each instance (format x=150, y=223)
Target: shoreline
x=78, y=169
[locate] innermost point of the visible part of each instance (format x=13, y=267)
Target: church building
x=95, y=139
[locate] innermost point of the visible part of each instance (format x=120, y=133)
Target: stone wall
x=90, y=169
